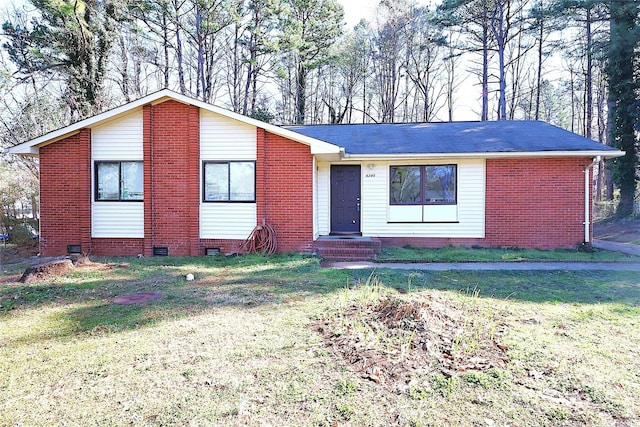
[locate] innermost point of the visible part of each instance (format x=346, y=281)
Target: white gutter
x=587, y=199
x=489, y=155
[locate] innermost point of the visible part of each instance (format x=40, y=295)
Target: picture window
x=119, y=181
x=229, y=181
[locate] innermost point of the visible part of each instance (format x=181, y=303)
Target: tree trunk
x=301, y=82
x=539, y=71
x=179, y=58
x=621, y=88
x=165, y=46
x=485, y=69
x=124, y=71
x=500, y=33
x=589, y=78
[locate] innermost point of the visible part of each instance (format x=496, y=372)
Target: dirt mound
x=44, y=270
x=395, y=339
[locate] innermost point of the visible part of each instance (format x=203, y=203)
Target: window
x=229, y=181
x=119, y=181
x=423, y=185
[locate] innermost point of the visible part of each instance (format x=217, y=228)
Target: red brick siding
x=120, y=247
x=226, y=246
x=535, y=203
x=146, y=158
x=430, y=242
x=284, y=194
x=172, y=196
x=530, y=203
x=65, y=194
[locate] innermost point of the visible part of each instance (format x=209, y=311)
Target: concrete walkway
x=478, y=266
x=627, y=248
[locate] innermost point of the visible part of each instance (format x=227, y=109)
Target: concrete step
x=342, y=249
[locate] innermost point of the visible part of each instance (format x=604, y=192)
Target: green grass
x=236, y=347
x=466, y=254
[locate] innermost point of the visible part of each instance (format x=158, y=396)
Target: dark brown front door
x=345, y=199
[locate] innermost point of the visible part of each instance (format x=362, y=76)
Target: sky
x=355, y=10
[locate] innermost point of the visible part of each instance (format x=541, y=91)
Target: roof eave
x=32, y=147
x=490, y=155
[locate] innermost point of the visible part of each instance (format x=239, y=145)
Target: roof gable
x=32, y=147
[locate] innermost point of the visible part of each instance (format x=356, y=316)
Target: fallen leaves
x=390, y=340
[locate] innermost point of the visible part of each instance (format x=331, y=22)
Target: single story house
x=168, y=174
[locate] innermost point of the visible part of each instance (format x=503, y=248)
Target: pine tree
x=72, y=38
x=624, y=100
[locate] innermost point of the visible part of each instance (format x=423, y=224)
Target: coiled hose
x=262, y=239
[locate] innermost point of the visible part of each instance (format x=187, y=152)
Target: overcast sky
x=355, y=10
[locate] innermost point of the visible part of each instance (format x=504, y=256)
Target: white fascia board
x=31, y=147
x=24, y=150
x=538, y=154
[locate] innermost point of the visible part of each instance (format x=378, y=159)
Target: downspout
x=587, y=200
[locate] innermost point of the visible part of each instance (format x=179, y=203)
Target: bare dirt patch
x=137, y=298
x=11, y=254
x=626, y=230
x=397, y=339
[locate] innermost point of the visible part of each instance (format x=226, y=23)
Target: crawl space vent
x=160, y=251
x=74, y=249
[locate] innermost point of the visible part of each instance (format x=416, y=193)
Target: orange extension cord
x=262, y=239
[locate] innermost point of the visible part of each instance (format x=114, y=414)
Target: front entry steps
x=347, y=248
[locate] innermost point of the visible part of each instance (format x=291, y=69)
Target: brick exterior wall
x=430, y=242
x=65, y=194
x=284, y=196
x=535, y=203
x=226, y=246
x=531, y=203
x=120, y=247
x=171, y=143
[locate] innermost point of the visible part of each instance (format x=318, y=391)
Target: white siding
x=227, y=220
x=315, y=199
x=324, y=196
x=465, y=219
x=222, y=138
x=117, y=219
x=118, y=139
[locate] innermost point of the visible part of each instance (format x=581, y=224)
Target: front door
x=345, y=199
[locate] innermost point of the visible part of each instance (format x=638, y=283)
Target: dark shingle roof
x=456, y=137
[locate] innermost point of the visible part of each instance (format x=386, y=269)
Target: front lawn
x=281, y=341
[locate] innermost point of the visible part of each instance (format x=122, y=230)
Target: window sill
x=423, y=222
x=228, y=201
x=118, y=201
